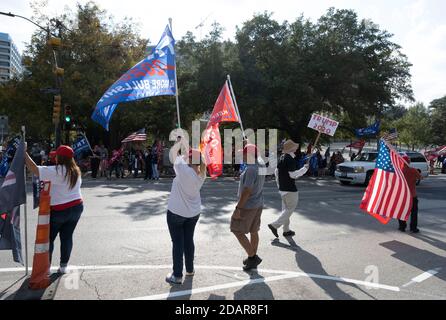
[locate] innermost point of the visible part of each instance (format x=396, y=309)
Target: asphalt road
x=123, y=250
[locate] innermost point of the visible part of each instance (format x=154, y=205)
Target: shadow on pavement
x=418, y=258
x=24, y=293
x=310, y=264
x=187, y=285
x=257, y=291
x=423, y=236
x=5, y=291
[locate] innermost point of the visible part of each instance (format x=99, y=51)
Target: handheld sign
x=322, y=125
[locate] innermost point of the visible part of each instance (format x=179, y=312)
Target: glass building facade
x=10, y=59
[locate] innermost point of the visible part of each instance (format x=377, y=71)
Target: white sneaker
x=62, y=270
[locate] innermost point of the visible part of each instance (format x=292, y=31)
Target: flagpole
x=236, y=106
x=176, y=83
x=25, y=211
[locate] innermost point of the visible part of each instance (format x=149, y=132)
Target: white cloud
x=418, y=25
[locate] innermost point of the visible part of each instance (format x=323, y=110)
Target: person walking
x=286, y=175
x=66, y=199
x=246, y=216
x=412, y=176
x=183, y=210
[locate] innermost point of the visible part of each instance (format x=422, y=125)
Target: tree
x=414, y=127
x=438, y=121
x=337, y=65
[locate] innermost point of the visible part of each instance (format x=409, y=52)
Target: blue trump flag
x=152, y=76
x=80, y=144
x=369, y=131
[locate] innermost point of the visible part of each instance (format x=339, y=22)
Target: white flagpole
x=236, y=106
x=25, y=211
x=176, y=83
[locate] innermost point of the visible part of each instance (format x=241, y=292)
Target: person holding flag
x=412, y=176
x=66, y=199
x=183, y=209
x=389, y=194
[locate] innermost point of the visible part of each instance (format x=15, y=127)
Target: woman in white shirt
x=66, y=199
x=183, y=210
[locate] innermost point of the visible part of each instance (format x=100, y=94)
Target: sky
x=418, y=26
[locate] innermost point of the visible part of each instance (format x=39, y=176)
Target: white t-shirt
x=60, y=191
x=185, y=197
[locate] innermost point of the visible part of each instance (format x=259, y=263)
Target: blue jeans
x=155, y=173
x=182, y=234
x=64, y=222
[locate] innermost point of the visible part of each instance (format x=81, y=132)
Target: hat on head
x=290, y=146
x=65, y=151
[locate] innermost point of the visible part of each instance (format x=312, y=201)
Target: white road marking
x=422, y=277
x=281, y=274
x=215, y=288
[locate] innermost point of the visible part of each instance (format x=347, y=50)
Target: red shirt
x=412, y=175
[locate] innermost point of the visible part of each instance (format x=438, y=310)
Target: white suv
x=360, y=170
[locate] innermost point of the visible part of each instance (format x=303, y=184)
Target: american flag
x=388, y=195
x=391, y=135
x=139, y=135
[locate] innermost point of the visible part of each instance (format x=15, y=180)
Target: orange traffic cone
x=41, y=262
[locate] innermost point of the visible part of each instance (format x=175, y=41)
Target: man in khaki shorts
x=246, y=216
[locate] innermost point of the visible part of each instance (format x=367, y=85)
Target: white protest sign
x=323, y=124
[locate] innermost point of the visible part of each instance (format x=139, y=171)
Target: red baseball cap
x=65, y=151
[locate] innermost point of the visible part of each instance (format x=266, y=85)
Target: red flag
x=388, y=195
x=357, y=145
x=224, y=111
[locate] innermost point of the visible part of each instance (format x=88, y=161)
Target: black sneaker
x=273, y=230
x=402, y=229
x=252, y=263
x=415, y=230
x=289, y=234
x=245, y=262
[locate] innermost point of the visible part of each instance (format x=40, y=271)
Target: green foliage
x=281, y=72
x=414, y=127
x=438, y=120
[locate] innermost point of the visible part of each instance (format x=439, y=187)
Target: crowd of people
x=131, y=162
x=184, y=205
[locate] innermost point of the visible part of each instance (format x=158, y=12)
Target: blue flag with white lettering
x=81, y=144
x=152, y=76
x=369, y=131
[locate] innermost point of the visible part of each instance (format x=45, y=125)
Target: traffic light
x=56, y=109
x=67, y=114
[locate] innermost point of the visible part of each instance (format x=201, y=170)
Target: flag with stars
x=388, y=195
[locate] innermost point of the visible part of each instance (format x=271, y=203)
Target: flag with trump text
x=388, y=195
x=152, y=76
x=224, y=111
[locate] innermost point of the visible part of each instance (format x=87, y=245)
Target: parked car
x=360, y=170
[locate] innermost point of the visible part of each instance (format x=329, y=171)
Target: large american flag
x=139, y=135
x=388, y=195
